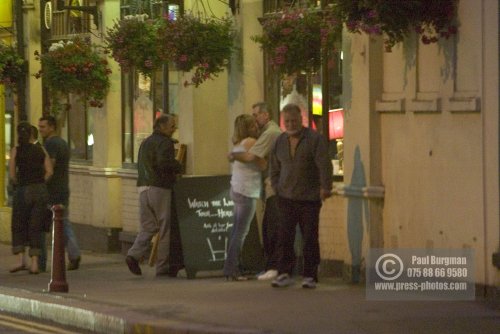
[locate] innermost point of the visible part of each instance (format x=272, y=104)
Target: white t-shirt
x=246, y=178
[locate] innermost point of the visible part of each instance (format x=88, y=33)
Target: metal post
x=58, y=279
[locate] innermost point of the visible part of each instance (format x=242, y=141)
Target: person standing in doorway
x=58, y=185
x=157, y=171
x=259, y=155
x=301, y=175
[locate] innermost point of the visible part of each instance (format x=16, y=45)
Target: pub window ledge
x=370, y=192
x=460, y=104
x=431, y=106
x=80, y=163
x=128, y=172
x=396, y=106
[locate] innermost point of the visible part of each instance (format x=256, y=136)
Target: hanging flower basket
x=75, y=67
x=295, y=39
x=193, y=43
x=396, y=19
x=132, y=43
x=12, y=66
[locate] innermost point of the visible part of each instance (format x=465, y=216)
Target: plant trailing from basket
x=204, y=45
x=75, y=67
x=396, y=19
x=132, y=42
x=12, y=66
x=295, y=39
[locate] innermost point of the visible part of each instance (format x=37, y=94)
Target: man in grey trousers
x=157, y=169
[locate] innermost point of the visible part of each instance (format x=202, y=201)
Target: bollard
x=58, y=279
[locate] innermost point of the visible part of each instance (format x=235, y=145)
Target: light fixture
x=336, y=129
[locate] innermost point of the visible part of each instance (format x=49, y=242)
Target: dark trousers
x=306, y=214
x=29, y=205
x=270, y=226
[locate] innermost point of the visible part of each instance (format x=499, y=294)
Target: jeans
x=70, y=242
x=244, y=211
x=306, y=214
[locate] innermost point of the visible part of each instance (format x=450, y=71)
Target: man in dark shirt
x=58, y=185
x=157, y=169
x=301, y=175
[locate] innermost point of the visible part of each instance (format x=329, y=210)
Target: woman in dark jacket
x=29, y=168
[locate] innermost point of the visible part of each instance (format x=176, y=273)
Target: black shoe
x=74, y=264
x=133, y=265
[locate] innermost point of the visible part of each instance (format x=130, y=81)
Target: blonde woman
x=245, y=189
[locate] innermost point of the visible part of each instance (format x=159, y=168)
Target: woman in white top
x=246, y=182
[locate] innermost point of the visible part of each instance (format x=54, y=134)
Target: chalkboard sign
x=205, y=213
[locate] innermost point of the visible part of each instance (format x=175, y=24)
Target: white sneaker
x=268, y=275
x=309, y=283
x=282, y=281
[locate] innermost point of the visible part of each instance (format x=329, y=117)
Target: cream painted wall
x=362, y=166
x=440, y=141
x=432, y=177
x=107, y=120
x=211, y=131
x=203, y=127
x=96, y=189
x=203, y=123
x=246, y=81
x=490, y=104
x=32, y=37
x=107, y=154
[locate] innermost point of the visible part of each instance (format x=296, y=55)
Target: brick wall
x=80, y=201
x=332, y=229
x=130, y=203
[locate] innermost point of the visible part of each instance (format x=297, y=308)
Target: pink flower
x=352, y=25
x=371, y=14
x=183, y=58
x=279, y=60
x=281, y=49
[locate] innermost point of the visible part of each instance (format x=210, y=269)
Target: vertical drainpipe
x=21, y=91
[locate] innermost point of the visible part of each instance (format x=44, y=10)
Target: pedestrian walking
x=157, y=169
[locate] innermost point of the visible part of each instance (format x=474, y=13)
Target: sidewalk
x=104, y=297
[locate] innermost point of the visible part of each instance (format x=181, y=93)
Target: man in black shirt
x=58, y=185
x=157, y=169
